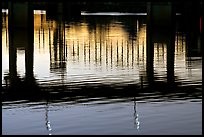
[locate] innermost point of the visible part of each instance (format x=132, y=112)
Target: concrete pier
x=21, y=34
x=20, y=14
x=191, y=16
x=160, y=29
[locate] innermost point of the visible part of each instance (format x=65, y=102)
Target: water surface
x=90, y=77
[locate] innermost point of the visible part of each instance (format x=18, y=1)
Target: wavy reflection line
x=136, y=116
x=47, y=122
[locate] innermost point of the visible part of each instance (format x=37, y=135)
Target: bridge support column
x=29, y=57
x=20, y=14
x=12, y=62
x=21, y=33
x=191, y=14
x=160, y=29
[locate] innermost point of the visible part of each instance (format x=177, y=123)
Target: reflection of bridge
x=121, y=51
x=24, y=19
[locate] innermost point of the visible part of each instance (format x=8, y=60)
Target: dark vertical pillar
x=21, y=33
x=19, y=14
x=150, y=45
x=29, y=45
x=170, y=41
x=12, y=60
x=160, y=29
x=12, y=47
x=191, y=20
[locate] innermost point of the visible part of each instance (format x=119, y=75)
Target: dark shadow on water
x=160, y=92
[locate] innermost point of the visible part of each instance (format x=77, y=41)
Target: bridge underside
x=104, y=5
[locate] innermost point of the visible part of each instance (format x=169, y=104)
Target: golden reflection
x=108, y=47
x=5, y=32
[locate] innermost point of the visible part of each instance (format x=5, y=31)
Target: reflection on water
x=103, y=51
x=103, y=59
x=48, y=124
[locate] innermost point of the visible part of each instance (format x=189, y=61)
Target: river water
x=91, y=79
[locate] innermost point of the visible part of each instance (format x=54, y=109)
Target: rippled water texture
x=90, y=77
